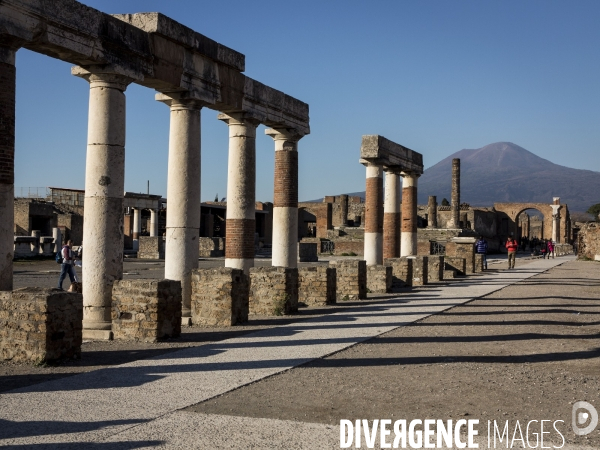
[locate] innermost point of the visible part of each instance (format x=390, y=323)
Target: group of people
x=512, y=246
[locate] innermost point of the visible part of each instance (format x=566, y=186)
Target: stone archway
x=509, y=212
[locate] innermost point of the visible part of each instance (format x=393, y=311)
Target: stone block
x=402, y=269
x=478, y=267
x=351, y=279
x=40, y=324
x=449, y=274
x=317, y=285
x=209, y=247
x=435, y=268
x=146, y=310
x=379, y=279
x=151, y=247
x=273, y=291
x=463, y=247
x=455, y=263
x=307, y=252
x=423, y=247
x=419, y=272
x=220, y=297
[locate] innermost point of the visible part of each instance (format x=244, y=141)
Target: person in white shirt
x=67, y=266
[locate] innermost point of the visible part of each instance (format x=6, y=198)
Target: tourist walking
x=481, y=248
x=550, y=248
x=511, y=246
x=67, y=266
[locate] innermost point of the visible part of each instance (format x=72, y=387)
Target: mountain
x=505, y=172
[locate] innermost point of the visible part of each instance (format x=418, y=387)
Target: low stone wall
x=588, y=241
x=423, y=247
x=449, y=274
x=379, y=279
x=565, y=249
x=478, y=262
x=351, y=279
x=151, y=247
x=357, y=247
x=317, y=285
x=463, y=247
x=211, y=247
x=220, y=297
x=273, y=291
x=435, y=268
x=39, y=324
x=146, y=310
x=420, y=273
x=455, y=263
x=402, y=269
x=308, y=252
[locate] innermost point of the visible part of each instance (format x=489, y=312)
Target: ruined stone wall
x=435, y=268
x=317, y=285
x=38, y=324
x=73, y=226
x=308, y=252
x=211, y=247
x=420, y=272
x=22, y=221
x=273, y=291
x=402, y=269
x=349, y=246
x=379, y=279
x=220, y=297
x=455, y=263
x=465, y=251
x=351, y=279
x=151, y=247
x=146, y=310
x=588, y=245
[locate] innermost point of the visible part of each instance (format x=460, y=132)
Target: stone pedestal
x=151, y=247
x=273, y=291
x=351, y=279
x=455, y=263
x=449, y=274
x=420, y=273
x=220, y=297
x=38, y=324
x=146, y=310
x=401, y=271
x=478, y=263
x=317, y=285
x=435, y=268
x=379, y=279
x=307, y=252
x=463, y=247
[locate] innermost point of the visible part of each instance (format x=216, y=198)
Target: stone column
x=104, y=185
x=137, y=228
x=408, y=239
x=374, y=216
x=455, y=195
x=285, y=199
x=154, y=222
x=344, y=209
x=391, y=216
x=432, y=212
x=7, y=165
x=556, y=223
x=241, y=191
x=183, y=194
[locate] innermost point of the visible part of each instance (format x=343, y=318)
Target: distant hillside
x=505, y=172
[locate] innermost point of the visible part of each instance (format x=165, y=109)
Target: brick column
x=455, y=195
x=285, y=200
x=374, y=216
x=241, y=191
x=391, y=216
x=183, y=192
x=344, y=209
x=104, y=186
x=408, y=240
x=432, y=212
x=7, y=165
x=137, y=228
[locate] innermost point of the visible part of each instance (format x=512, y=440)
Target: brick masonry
x=455, y=263
x=151, y=247
x=391, y=235
x=273, y=291
x=435, y=268
x=409, y=209
x=402, y=269
x=374, y=205
x=317, y=285
x=423, y=247
x=420, y=273
x=146, y=310
x=220, y=297
x=39, y=324
x=240, y=238
x=209, y=247
x=351, y=279
x=286, y=179
x=379, y=279
x=307, y=252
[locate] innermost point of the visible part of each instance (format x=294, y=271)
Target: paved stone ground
x=139, y=404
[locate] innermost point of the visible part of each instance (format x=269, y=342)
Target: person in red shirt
x=511, y=246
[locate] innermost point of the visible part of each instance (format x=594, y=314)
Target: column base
x=97, y=335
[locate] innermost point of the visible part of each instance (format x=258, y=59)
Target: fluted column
x=7, y=164
x=183, y=194
x=432, y=212
x=374, y=216
x=154, y=222
x=391, y=216
x=104, y=185
x=285, y=199
x=241, y=191
x=455, y=194
x=137, y=228
x=408, y=240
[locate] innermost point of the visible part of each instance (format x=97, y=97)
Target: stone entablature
x=390, y=155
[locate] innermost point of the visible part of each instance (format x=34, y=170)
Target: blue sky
x=435, y=76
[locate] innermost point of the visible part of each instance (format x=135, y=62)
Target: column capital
x=102, y=76
x=240, y=118
x=285, y=138
x=367, y=163
x=179, y=100
x=409, y=174
x=8, y=50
